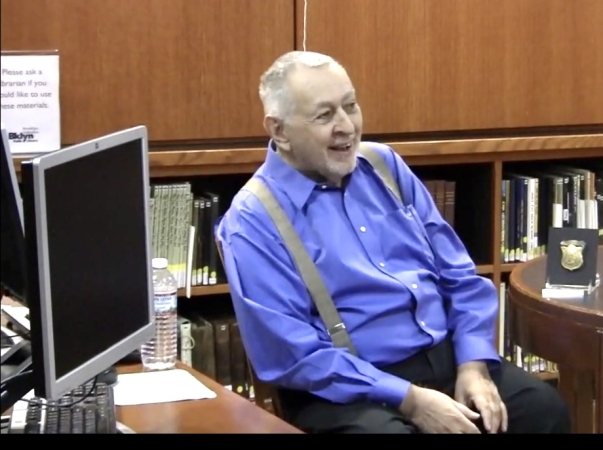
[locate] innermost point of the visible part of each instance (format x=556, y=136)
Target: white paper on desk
x=163, y=386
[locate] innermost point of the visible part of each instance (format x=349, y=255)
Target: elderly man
x=418, y=324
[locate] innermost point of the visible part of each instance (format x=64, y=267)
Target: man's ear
x=275, y=128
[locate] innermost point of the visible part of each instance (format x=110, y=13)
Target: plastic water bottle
x=162, y=350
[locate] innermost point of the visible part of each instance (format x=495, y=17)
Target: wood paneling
x=188, y=69
x=426, y=65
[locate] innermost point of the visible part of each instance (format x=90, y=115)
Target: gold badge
x=571, y=254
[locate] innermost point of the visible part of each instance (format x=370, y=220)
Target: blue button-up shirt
x=400, y=277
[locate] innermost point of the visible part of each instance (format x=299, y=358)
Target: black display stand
x=19, y=383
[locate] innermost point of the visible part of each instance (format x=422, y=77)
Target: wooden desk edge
x=278, y=426
x=574, y=390
x=534, y=299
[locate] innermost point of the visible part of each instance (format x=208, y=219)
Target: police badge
x=572, y=254
x=572, y=260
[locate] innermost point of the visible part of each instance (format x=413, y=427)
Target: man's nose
x=343, y=123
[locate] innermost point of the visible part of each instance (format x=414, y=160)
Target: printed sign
x=30, y=102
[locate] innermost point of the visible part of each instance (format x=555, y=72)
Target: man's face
x=324, y=128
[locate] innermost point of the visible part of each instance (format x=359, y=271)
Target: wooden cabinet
x=433, y=65
x=187, y=69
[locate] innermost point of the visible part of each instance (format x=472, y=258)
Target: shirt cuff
x=471, y=348
x=390, y=390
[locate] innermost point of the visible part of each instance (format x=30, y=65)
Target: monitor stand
x=13, y=353
x=17, y=384
x=108, y=376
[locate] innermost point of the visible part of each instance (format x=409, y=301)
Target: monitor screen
x=12, y=245
x=94, y=259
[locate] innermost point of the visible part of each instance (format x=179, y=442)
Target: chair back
x=265, y=395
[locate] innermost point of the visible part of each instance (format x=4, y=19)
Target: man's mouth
x=341, y=148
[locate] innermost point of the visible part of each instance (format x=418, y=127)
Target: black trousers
x=533, y=406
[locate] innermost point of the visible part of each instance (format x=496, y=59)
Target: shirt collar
x=296, y=185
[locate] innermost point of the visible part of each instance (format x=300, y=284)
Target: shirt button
x=382, y=264
x=362, y=229
x=324, y=186
x=422, y=323
x=414, y=286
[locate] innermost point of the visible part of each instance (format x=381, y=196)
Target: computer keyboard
x=71, y=414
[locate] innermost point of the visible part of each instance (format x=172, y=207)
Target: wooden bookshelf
x=483, y=153
x=508, y=267
x=227, y=161
x=222, y=288
x=201, y=291
x=547, y=376
x=172, y=163
x=478, y=164
x=486, y=155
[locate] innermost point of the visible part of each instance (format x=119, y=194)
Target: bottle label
x=165, y=302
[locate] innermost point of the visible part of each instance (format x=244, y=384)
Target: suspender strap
x=380, y=166
x=305, y=265
x=307, y=269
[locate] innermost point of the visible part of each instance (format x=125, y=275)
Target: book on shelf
x=557, y=196
x=181, y=228
x=512, y=352
x=215, y=348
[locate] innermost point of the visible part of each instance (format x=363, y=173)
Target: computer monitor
x=12, y=243
x=90, y=294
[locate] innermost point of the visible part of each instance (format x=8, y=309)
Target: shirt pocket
x=403, y=237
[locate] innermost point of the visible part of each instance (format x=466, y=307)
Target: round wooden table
x=566, y=332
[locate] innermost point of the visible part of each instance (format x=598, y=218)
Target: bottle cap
x=160, y=263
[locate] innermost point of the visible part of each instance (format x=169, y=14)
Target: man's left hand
x=474, y=388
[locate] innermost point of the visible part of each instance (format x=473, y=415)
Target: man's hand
x=433, y=412
x=475, y=389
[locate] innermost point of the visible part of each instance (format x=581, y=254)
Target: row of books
x=181, y=228
x=532, y=201
x=212, y=345
x=443, y=193
x=512, y=352
x=552, y=196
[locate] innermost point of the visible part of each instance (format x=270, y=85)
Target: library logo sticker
x=25, y=135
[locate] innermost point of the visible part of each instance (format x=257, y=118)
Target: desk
x=227, y=413
x=567, y=332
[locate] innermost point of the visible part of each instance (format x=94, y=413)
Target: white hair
x=273, y=83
